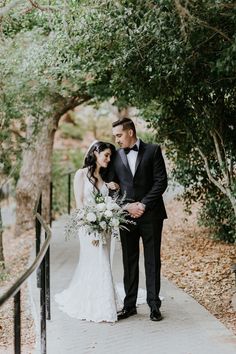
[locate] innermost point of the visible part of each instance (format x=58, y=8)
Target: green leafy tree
x=170, y=58
x=36, y=93
x=176, y=61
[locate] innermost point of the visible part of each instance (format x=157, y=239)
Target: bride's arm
x=78, y=188
x=113, y=186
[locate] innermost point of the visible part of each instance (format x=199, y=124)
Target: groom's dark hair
x=126, y=123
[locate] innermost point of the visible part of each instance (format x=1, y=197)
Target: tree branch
x=74, y=102
x=6, y=9
x=231, y=166
x=220, y=159
x=10, y=175
x=184, y=13
x=17, y=133
x=211, y=178
x=214, y=29
x=42, y=8
x=226, y=191
x=228, y=160
x=65, y=24
x=225, y=6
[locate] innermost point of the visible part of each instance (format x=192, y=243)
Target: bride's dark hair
x=90, y=160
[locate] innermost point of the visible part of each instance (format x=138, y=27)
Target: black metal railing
x=67, y=174
x=42, y=265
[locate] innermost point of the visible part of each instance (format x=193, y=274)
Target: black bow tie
x=127, y=150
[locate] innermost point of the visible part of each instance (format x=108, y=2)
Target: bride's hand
x=113, y=186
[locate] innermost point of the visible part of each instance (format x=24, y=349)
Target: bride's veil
x=89, y=148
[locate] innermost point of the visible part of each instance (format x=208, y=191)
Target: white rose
x=103, y=225
x=112, y=206
x=108, y=213
x=91, y=217
x=115, y=222
x=101, y=206
x=108, y=199
x=109, y=206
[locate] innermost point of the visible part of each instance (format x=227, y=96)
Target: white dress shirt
x=132, y=157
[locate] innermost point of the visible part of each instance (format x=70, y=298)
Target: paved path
x=8, y=214
x=187, y=327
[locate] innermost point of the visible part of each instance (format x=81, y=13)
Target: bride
x=91, y=294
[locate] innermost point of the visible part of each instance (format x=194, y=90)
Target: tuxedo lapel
x=125, y=160
x=140, y=155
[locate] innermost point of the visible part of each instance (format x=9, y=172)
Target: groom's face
x=123, y=138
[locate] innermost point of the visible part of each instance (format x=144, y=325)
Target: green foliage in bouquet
x=102, y=215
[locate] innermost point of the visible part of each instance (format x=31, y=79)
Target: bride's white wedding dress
x=91, y=294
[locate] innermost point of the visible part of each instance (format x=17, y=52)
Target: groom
x=140, y=170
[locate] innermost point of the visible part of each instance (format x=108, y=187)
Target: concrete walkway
x=187, y=328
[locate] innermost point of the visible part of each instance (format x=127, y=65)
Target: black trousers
x=150, y=233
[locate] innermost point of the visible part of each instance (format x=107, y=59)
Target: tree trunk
x=233, y=202
x=36, y=169
x=35, y=175
x=227, y=187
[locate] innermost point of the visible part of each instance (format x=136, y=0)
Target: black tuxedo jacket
x=148, y=183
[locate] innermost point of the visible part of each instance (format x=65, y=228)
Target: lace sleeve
x=78, y=188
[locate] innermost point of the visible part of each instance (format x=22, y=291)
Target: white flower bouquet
x=102, y=216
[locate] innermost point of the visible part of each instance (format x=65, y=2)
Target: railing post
x=17, y=323
x=38, y=226
x=47, y=284
x=69, y=192
x=47, y=261
x=50, y=204
x=38, y=238
x=43, y=308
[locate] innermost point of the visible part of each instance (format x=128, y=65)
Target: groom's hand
x=135, y=209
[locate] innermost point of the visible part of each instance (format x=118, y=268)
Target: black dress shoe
x=126, y=312
x=155, y=315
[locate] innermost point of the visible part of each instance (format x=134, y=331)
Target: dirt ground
x=16, y=264
x=198, y=264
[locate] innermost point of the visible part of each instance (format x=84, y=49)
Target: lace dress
x=91, y=294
